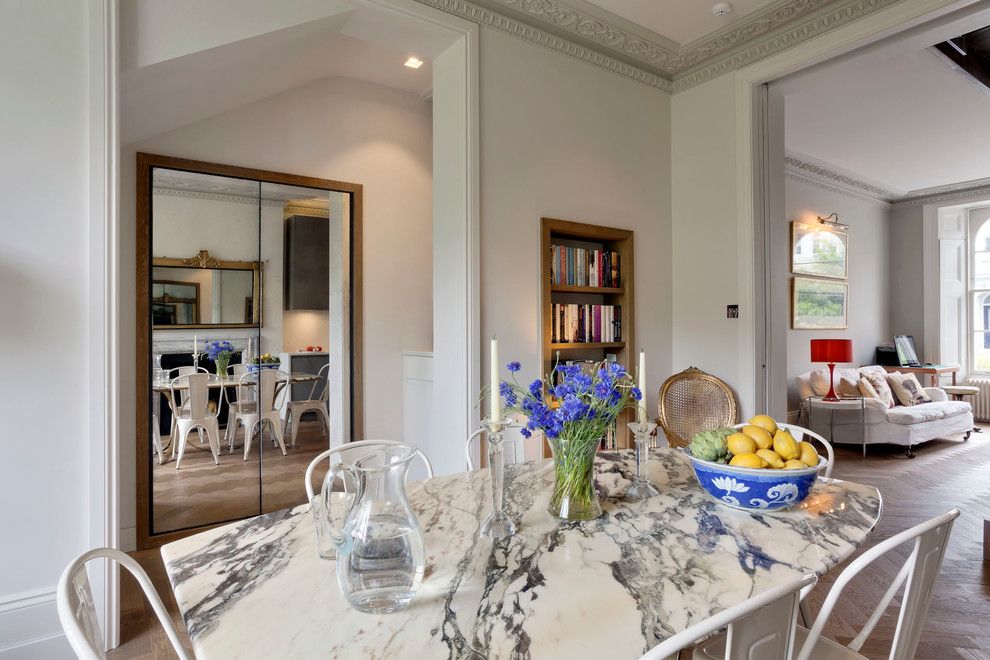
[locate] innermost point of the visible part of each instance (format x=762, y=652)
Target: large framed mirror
x=248, y=341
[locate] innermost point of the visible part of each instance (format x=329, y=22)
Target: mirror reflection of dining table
x=612, y=587
x=223, y=383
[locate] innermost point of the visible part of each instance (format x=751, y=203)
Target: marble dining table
x=607, y=588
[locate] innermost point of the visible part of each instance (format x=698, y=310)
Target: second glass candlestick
x=641, y=488
x=498, y=525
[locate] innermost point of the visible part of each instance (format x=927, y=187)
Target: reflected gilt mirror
x=248, y=294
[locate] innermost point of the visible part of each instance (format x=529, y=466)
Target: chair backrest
x=693, y=401
x=760, y=627
x=237, y=370
x=269, y=381
x=801, y=433
x=323, y=383
x=917, y=576
x=514, y=440
x=357, y=446
x=176, y=372
x=197, y=394
x=77, y=612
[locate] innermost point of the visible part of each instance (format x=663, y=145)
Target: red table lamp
x=831, y=351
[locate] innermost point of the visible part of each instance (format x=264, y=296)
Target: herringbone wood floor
x=945, y=474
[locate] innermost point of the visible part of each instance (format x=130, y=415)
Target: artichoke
x=711, y=445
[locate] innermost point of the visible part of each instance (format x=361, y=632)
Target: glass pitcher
x=380, y=557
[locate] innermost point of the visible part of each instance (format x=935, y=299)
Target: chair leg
x=966, y=437
x=248, y=436
x=909, y=452
x=325, y=418
x=285, y=426
x=181, y=441
x=213, y=436
x=277, y=428
x=295, y=429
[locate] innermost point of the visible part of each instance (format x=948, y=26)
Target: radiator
x=981, y=402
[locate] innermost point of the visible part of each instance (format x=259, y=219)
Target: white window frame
x=971, y=292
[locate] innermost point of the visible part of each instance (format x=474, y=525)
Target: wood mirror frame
x=353, y=302
x=204, y=260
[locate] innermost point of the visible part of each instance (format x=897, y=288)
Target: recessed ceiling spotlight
x=414, y=62
x=722, y=9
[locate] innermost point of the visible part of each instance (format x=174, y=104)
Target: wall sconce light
x=832, y=220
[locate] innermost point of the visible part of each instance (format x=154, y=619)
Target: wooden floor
x=944, y=474
x=201, y=492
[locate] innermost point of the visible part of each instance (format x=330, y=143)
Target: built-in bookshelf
x=587, y=273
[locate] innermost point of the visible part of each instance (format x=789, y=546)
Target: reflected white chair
x=195, y=416
x=77, y=612
x=180, y=404
x=156, y=437
x=264, y=410
x=917, y=576
x=314, y=404
x=357, y=446
x=515, y=441
x=235, y=372
x=760, y=628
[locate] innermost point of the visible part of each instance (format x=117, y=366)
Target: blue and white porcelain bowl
x=751, y=488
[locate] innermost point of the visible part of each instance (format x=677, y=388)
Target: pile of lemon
x=761, y=444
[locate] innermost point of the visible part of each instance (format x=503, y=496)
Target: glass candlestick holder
x=641, y=488
x=498, y=525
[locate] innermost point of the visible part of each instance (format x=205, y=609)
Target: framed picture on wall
x=818, y=304
x=818, y=250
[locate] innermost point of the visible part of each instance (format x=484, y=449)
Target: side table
x=817, y=405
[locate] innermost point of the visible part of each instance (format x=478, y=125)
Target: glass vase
x=574, y=496
x=222, y=363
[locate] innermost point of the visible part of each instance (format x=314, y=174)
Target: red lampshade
x=831, y=350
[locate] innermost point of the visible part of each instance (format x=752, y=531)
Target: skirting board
x=29, y=627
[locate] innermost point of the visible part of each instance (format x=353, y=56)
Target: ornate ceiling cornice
x=946, y=193
x=596, y=37
x=826, y=176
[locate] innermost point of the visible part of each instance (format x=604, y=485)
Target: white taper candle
x=495, y=403
x=641, y=408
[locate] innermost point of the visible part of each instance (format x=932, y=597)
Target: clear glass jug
x=380, y=558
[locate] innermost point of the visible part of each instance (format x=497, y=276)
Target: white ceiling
x=901, y=117
x=681, y=21
x=173, y=84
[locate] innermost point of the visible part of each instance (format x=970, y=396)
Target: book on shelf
x=574, y=323
x=573, y=266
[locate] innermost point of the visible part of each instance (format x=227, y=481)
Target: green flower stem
x=574, y=494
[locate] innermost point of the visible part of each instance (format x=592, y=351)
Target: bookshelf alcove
x=583, y=236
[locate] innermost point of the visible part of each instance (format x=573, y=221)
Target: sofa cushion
x=922, y=412
x=954, y=408
x=873, y=369
x=875, y=386
x=819, y=382
x=907, y=389
x=846, y=386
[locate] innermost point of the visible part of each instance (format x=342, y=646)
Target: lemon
x=765, y=422
x=785, y=445
x=807, y=454
x=740, y=444
x=794, y=464
x=771, y=457
x=747, y=461
x=762, y=437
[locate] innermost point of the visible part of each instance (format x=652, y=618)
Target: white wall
x=868, y=262
x=44, y=280
x=563, y=139
x=907, y=276
x=707, y=244
x=346, y=130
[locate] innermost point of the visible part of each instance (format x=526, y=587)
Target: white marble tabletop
x=608, y=588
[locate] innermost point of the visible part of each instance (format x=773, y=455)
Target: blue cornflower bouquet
x=574, y=410
x=220, y=351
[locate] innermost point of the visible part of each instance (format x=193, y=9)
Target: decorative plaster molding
x=216, y=196
x=825, y=176
x=763, y=33
x=822, y=184
x=946, y=193
x=781, y=40
x=534, y=35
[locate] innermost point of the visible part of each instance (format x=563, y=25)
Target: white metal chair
x=195, y=416
x=180, y=402
x=264, y=410
x=235, y=372
x=917, y=576
x=356, y=446
x=515, y=441
x=77, y=612
x=760, y=628
x=314, y=404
